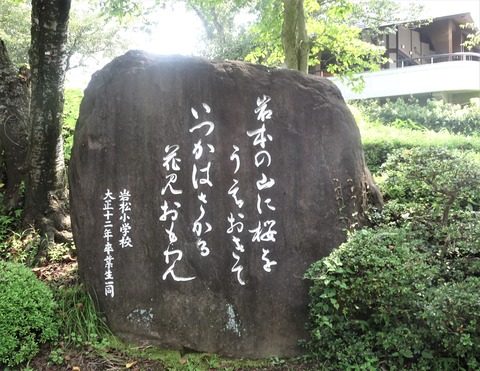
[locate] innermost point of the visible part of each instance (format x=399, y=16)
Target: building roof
x=461, y=18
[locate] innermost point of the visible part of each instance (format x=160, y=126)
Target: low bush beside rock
x=27, y=314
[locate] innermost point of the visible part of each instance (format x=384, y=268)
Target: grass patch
x=175, y=360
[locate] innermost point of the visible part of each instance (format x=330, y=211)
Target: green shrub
x=380, y=300
x=458, y=248
x=27, y=314
x=440, y=180
x=366, y=299
x=434, y=194
x=404, y=294
x=452, y=315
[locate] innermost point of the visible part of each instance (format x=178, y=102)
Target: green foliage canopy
x=293, y=33
x=333, y=40
x=472, y=39
x=15, y=29
x=227, y=33
x=90, y=35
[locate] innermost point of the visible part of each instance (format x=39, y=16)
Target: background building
x=427, y=60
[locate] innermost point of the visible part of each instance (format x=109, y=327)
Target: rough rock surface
x=202, y=191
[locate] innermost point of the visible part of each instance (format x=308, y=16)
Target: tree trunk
x=46, y=191
x=294, y=35
x=14, y=118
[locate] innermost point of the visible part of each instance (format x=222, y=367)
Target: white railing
x=436, y=58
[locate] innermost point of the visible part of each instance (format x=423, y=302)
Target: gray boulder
x=201, y=192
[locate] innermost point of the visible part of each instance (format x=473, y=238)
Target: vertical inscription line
x=264, y=230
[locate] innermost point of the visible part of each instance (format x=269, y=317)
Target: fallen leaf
x=68, y=259
x=37, y=271
x=131, y=364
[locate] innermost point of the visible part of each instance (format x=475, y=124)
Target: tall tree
x=296, y=44
x=14, y=124
x=50, y=53
x=315, y=32
x=299, y=33
x=45, y=187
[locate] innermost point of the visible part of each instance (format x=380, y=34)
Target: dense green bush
x=27, y=314
x=451, y=312
x=457, y=246
x=434, y=193
x=379, y=300
x=366, y=301
x=404, y=294
x=443, y=180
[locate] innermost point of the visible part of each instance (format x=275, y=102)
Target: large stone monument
x=202, y=191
